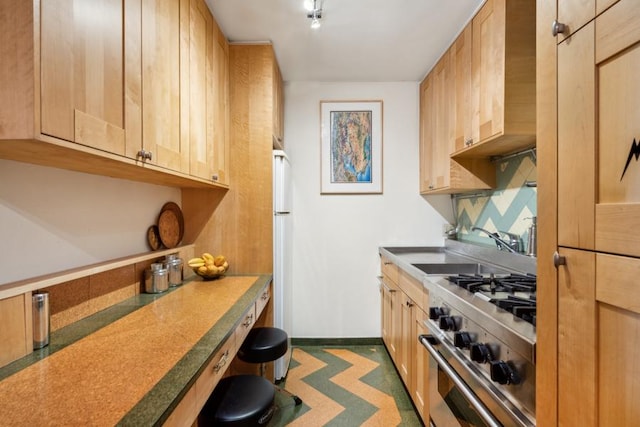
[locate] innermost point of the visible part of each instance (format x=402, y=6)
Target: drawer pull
x=248, y=320
x=222, y=362
x=265, y=296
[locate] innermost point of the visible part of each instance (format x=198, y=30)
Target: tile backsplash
x=507, y=208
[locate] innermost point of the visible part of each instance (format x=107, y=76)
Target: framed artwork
x=351, y=152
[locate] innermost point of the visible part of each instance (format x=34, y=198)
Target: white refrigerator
x=282, y=227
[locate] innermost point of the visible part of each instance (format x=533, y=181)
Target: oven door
x=458, y=396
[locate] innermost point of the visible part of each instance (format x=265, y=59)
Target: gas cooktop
x=514, y=292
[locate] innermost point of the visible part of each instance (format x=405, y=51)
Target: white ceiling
x=359, y=40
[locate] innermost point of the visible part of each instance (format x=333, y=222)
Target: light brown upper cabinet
x=161, y=91
x=278, y=108
x=445, y=122
x=105, y=87
x=82, y=72
x=503, y=79
x=201, y=85
x=220, y=106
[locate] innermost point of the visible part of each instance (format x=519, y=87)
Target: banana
x=207, y=256
x=195, y=262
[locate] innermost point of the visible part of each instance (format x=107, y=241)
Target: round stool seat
x=240, y=401
x=263, y=345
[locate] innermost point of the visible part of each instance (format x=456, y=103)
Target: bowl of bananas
x=209, y=267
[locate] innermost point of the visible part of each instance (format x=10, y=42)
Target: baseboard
x=335, y=341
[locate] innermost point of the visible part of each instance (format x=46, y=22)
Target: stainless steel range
x=482, y=345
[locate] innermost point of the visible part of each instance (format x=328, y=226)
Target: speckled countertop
x=132, y=363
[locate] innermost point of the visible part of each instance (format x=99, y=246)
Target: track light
x=314, y=7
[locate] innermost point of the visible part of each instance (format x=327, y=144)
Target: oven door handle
x=482, y=410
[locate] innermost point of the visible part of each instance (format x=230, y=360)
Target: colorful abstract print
x=350, y=142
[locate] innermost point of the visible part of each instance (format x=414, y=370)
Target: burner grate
x=522, y=304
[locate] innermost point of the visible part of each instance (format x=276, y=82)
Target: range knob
x=436, y=312
x=462, y=339
x=448, y=323
x=504, y=373
x=480, y=353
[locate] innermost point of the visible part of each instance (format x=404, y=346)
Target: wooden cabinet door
x=389, y=293
x=576, y=140
x=463, y=89
x=420, y=392
x=201, y=83
x=82, y=72
x=427, y=134
x=220, y=107
x=577, y=339
x=442, y=102
x=161, y=57
x=617, y=58
x=599, y=207
x=488, y=69
x=278, y=107
x=618, y=314
x=405, y=354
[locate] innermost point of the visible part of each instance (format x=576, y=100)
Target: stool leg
x=296, y=399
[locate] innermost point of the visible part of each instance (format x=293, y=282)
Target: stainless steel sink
x=459, y=268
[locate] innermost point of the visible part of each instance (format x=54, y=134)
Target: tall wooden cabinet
x=241, y=226
x=594, y=341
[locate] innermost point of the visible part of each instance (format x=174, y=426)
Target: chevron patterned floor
x=344, y=386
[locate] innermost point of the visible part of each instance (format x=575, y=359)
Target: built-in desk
x=155, y=360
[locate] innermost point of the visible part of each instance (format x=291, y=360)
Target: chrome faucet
x=512, y=245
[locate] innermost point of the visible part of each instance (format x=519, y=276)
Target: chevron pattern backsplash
x=507, y=208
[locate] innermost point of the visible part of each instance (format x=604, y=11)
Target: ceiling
x=359, y=40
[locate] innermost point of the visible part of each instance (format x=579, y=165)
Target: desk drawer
x=262, y=301
x=247, y=322
x=389, y=269
x=214, y=371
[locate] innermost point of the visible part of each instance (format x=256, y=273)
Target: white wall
x=336, y=237
x=52, y=219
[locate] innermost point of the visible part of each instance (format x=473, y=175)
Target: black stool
x=239, y=401
x=266, y=344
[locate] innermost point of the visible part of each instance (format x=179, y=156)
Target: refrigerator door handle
x=281, y=213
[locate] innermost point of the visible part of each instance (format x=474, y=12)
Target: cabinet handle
x=145, y=155
x=388, y=289
x=214, y=177
x=468, y=142
x=559, y=260
x=430, y=186
x=557, y=28
x=265, y=296
x=223, y=361
x=248, y=321
x=409, y=304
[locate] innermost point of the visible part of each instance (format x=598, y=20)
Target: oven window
x=448, y=406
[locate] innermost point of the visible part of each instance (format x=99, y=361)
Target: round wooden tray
x=153, y=238
x=171, y=225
